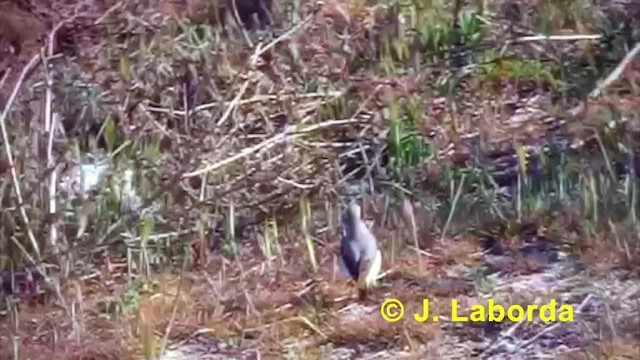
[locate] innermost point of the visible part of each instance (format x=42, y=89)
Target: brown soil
x=24, y=27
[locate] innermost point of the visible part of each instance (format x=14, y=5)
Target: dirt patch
x=25, y=26
x=22, y=31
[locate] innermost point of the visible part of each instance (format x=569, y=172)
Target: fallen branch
x=267, y=144
x=554, y=38
x=255, y=99
x=613, y=76
x=617, y=72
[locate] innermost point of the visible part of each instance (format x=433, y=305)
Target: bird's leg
x=362, y=294
x=363, y=272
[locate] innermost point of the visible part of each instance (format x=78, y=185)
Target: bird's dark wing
x=350, y=259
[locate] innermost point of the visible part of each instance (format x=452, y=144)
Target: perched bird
x=359, y=250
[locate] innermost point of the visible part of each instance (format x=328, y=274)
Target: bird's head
x=353, y=210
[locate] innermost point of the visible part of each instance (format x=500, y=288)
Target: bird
x=360, y=255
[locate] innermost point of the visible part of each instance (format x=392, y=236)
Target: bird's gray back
x=357, y=240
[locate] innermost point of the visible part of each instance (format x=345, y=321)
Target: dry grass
x=225, y=138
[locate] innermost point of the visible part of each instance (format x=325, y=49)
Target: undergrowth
x=179, y=155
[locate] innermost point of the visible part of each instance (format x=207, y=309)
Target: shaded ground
x=270, y=309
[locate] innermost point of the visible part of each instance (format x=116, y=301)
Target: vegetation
x=175, y=188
